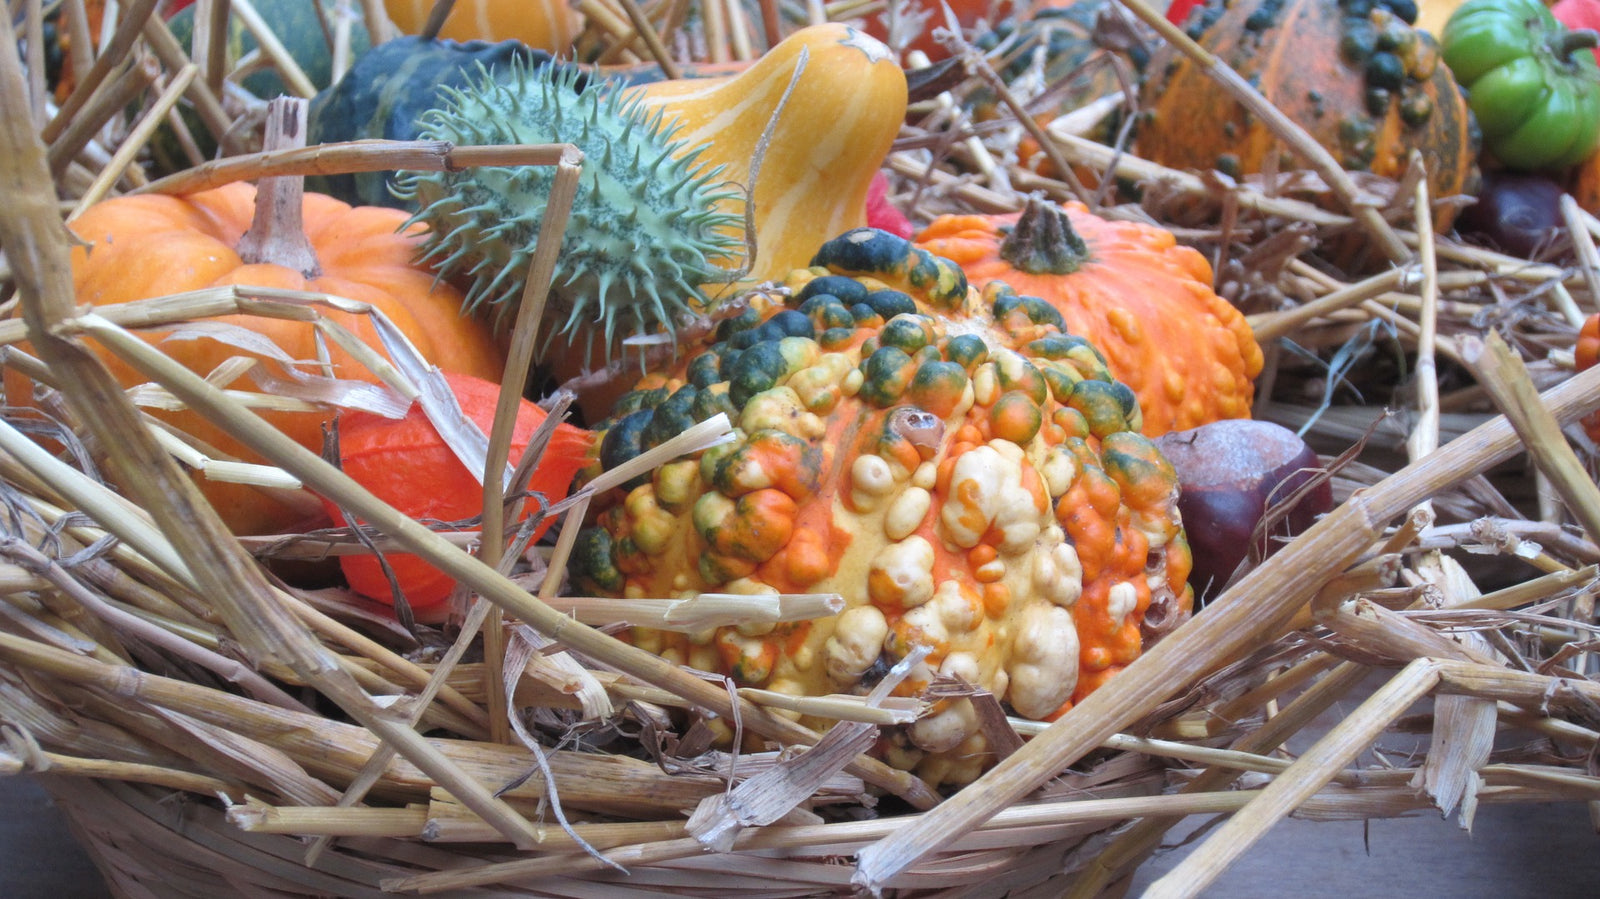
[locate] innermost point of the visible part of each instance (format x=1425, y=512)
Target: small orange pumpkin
x=144, y=246
x=1131, y=290
x=1585, y=353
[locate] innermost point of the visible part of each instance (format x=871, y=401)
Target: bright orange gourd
x=541, y=24
x=406, y=464
x=1584, y=355
x=145, y=246
x=1131, y=290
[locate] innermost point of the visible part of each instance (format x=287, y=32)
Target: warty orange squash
x=966, y=475
x=1363, y=83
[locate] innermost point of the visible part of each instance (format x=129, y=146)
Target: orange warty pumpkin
x=1131, y=290
x=1368, y=88
x=146, y=246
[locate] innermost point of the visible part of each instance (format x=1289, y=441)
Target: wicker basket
x=150, y=842
x=206, y=738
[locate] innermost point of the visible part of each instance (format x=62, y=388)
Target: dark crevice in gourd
x=1043, y=242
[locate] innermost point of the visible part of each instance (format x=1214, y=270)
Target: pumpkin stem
x=277, y=232
x=1042, y=242
x=1566, y=43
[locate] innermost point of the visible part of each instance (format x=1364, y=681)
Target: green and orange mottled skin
x=972, y=482
x=1361, y=82
x=1144, y=300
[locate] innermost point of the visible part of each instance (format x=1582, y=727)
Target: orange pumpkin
x=541, y=24
x=144, y=246
x=1585, y=353
x=1128, y=288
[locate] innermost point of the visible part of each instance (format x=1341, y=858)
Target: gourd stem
x=441, y=10
x=1566, y=43
x=277, y=234
x=1043, y=241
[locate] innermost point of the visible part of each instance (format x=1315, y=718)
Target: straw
x=94, y=580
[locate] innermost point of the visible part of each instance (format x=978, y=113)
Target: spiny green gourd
x=648, y=227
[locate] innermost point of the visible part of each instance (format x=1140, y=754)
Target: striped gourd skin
x=965, y=475
x=828, y=137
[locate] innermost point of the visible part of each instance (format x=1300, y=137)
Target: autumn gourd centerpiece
x=966, y=474
x=1131, y=290
x=144, y=246
x=1364, y=84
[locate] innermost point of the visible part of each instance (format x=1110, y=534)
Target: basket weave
x=170, y=774
x=151, y=843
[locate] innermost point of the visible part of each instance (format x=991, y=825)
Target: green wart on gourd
x=646, y=229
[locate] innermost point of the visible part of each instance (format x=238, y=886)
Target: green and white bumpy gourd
x=645, y=230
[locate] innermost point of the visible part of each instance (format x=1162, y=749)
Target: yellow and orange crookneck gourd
x=541, y=24
x=144, y=246
x=1130, y=289
x=965, y=474
x=828, y=139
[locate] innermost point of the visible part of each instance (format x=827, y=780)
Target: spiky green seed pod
x=645, y=232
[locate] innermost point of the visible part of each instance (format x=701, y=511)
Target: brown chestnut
x=1230, y=473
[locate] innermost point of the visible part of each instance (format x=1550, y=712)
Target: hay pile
x=170, y=683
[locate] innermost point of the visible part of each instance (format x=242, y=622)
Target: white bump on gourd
x=1044, y=660
x=855, y=645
